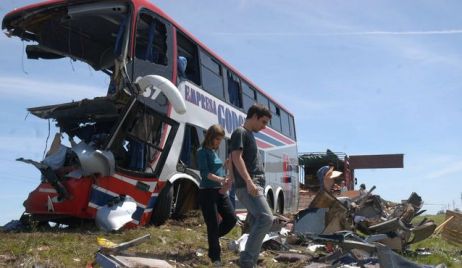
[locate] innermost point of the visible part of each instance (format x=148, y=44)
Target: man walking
x=249, y=181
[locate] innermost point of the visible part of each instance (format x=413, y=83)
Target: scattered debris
x=112, y=255
x=330, y=232
x=452, y=229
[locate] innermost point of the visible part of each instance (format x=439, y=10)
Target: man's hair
x=259, y=110
x=213, y=132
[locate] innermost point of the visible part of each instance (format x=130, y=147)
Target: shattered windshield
x=143, y=142
x=93, y=33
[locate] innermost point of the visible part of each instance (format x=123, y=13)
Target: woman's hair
x=213, y=132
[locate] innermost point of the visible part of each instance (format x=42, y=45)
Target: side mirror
x=152, y=85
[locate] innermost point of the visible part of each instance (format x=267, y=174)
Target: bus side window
x=292, y=127
x=234, y=90
x=285, y=123
x=248, y=96
x=151, y=40
x=276, y=117
x=212, y=75
x=261, y=99
x=188, y=50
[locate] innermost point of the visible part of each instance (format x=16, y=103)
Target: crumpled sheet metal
x=94, y=161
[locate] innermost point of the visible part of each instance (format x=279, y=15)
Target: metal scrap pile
x=365, y=231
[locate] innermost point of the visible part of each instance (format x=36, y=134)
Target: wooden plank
x=452, y=231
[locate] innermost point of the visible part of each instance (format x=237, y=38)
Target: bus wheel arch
x=185, y=197
x=169, y=204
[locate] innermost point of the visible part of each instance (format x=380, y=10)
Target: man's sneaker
x=217, y=264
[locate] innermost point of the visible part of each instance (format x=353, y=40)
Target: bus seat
x=136, y=154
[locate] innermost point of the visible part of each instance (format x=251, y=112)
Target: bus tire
x=185, y=198
x=163, y=207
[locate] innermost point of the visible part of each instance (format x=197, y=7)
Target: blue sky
x=360, y=77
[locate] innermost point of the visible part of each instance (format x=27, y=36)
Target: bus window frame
x=140, y=67
x=230, y=75
x=119, y=134
x=194, y=64
x=203, y=65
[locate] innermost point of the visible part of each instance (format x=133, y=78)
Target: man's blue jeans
x=261, y=219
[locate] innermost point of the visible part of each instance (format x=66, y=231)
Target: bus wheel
x=185, y=198
x=280, y=204
x=163, y=207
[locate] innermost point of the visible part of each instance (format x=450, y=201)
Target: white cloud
x=18, y=87
x=450, y=169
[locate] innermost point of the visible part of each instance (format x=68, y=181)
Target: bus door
x=153, y=46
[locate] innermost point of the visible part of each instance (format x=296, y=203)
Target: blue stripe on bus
x=138, y=213
x=100, y=198
x=151, y=202
x=268, y=139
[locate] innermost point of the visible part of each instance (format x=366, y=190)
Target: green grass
x=177, y=242
x=442, y=251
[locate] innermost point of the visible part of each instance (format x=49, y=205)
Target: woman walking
x=214, y=202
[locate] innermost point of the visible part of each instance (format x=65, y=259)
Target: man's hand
x=252, y=188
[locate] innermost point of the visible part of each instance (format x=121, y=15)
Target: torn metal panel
x=116, y=261
x=390, y=259
x=422, y=232
x=94, y=161
x=111, y=255
x=97, y=108
x=310, y=221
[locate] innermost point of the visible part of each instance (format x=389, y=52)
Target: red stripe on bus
x=124, y=188
x=274, y=134
x=263, y=144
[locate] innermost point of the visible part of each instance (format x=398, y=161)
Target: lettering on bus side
x=227, y=118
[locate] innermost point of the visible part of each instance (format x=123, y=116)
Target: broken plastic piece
x=115, y=216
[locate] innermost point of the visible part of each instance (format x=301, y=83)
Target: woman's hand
x=227, y=184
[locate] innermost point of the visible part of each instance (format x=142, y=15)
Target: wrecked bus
x=139, y=142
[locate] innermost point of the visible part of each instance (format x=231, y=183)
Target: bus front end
x=111, y=149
